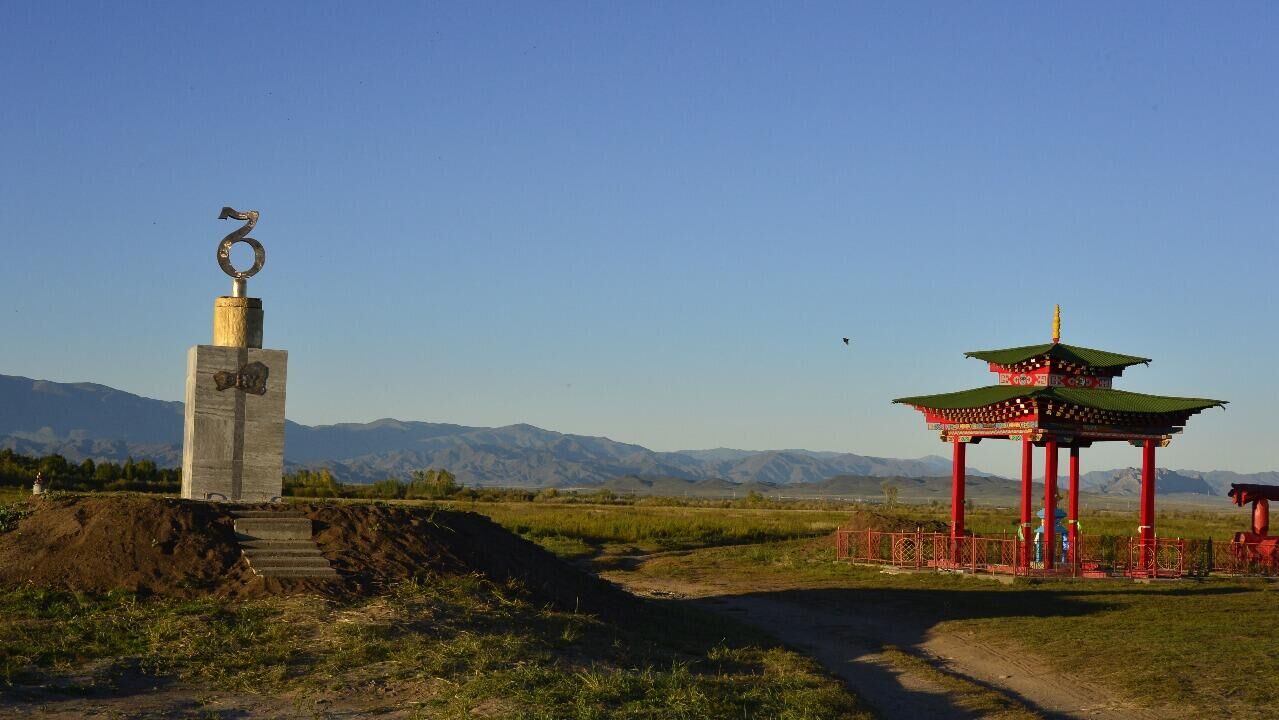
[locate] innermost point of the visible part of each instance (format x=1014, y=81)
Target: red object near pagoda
x=1052, y=396
x=1257, y=545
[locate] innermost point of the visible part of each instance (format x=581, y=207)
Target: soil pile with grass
x=862, y=519
x=182, y=548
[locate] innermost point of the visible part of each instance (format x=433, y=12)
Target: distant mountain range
x=80, y=420
x=1127, y=481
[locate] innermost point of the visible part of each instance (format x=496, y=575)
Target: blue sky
x=652, y=221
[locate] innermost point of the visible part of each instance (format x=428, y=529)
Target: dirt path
x=903, y=665
x=101, y=690
x=193, y=703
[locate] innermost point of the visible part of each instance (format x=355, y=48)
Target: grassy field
x=452, y=648
x=1182, y=641
x=460, y=644
x=583, y=529
x=1199, y=643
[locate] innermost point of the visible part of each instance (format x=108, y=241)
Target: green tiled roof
x=1098, y=399
x=1058, y=351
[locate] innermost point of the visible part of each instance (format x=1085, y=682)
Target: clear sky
x=653, y=221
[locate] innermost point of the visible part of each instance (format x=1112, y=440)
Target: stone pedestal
x=233, y=439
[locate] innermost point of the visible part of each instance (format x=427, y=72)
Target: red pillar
x=1072, y=510
x=957, y=471
x=1147, y=528
x=1026, y=533
x=1050, y=502
x=1261, y=517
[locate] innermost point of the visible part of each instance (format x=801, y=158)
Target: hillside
x=80, y=420
x=87, y=420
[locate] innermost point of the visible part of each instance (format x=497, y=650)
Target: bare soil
x=864, y=519
x=182, y=548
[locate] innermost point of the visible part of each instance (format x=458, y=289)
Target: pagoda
x=1052, y=396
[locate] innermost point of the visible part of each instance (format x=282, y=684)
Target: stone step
x=271, y=560
x=288, y=562
x=298, y=573
x=267, y=513
x=277, y=544
x=256, y=552
x=286, y=528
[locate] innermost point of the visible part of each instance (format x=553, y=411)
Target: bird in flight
x=845, y=341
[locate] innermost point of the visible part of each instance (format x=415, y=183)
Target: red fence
x=920, y=550
x=1156, y=558
x=1227, y=558
x=1094, y=556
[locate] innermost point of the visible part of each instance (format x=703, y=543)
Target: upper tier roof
x=1058, y=351
x=1098, y=399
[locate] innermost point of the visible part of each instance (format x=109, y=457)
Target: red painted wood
x=1050, y=502
x=1027, y=468
x=957, y=470
x=933, y=417
x=1072, y=510
x=1147, y=528
x=1261, y=517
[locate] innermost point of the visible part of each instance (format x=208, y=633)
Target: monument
x=233, y=437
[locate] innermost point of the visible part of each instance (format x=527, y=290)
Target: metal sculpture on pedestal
x=233, y=437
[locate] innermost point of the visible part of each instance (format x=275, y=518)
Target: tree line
x=87, y=475
x=144, y=476
x=422, y=485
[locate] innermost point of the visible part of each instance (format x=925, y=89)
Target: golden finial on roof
x=1056, y=324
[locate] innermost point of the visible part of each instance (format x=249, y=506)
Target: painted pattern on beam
x=1044, y=379
x=1164, y=437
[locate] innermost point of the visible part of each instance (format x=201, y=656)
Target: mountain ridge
x=89, y=420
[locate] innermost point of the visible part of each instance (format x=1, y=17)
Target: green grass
x=603, y=532
x=1197, y=643
x=580, y=529
x=451, y=647
x=11, y=514
x=459, y=645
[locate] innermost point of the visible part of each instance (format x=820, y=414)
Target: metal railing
x=921, y=550
x=1156, y=558
x=1093, y=556
x=1256, y=559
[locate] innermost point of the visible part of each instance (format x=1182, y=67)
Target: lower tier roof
x=1108, y=400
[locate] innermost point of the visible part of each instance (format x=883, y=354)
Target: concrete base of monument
x=184, y=548
x=233, y=436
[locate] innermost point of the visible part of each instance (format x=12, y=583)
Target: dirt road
x=900, y=663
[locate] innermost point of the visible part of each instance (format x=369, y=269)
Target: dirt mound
x=182, y=548
x=882, y=522
x=371, y=545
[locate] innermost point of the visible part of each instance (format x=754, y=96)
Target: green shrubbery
x=422, y=485
x=11, y=515
x=138, y=476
